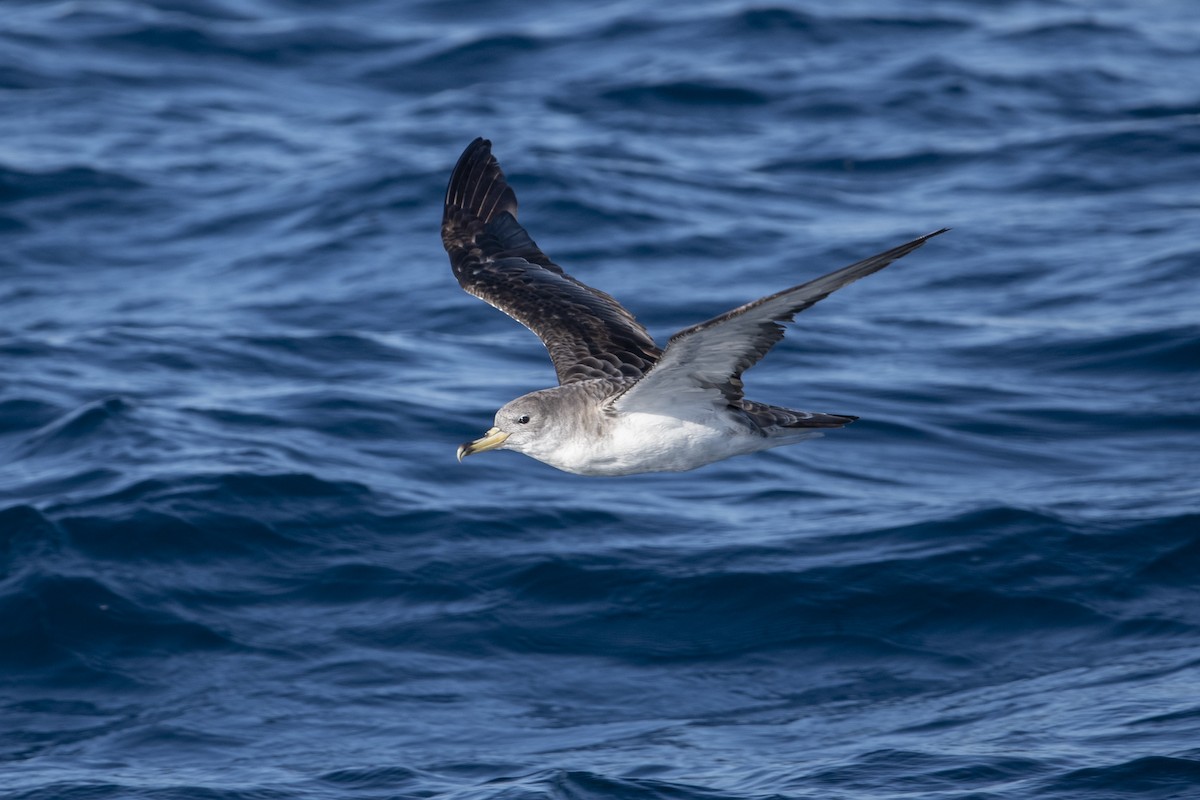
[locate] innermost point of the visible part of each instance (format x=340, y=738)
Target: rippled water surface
x=239, y=560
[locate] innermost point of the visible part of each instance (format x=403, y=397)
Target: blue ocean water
x=239, y=560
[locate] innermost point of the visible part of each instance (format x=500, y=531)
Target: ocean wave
x=71, y=630
x=18, y=184
x=77, y=426
x=239, y=559
x=692, y=93
x=1149, y=776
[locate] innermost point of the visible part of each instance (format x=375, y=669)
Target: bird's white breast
x=642, y=442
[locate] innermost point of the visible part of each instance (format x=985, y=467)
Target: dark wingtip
x=477, y=187
x=920, y=240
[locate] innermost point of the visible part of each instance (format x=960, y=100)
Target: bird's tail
x=769, y=417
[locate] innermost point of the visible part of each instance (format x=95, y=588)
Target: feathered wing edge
x=587, y=333
x=711, y=357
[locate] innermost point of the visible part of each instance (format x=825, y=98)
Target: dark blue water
x=239, y=559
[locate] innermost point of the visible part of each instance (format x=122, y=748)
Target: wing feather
x=706, y=361
x=587, y=333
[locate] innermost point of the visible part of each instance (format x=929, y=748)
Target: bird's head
x=519, y=425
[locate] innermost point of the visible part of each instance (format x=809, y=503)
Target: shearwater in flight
x=623, y=405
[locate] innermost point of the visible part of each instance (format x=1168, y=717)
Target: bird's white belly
x=639, y=442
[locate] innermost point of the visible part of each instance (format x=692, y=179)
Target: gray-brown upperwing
x=703, y=364
x=587, y=332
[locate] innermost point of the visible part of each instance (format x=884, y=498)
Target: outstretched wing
x=588, y=333
x=707, y=360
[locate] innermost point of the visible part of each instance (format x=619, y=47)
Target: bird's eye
x=523, y=419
